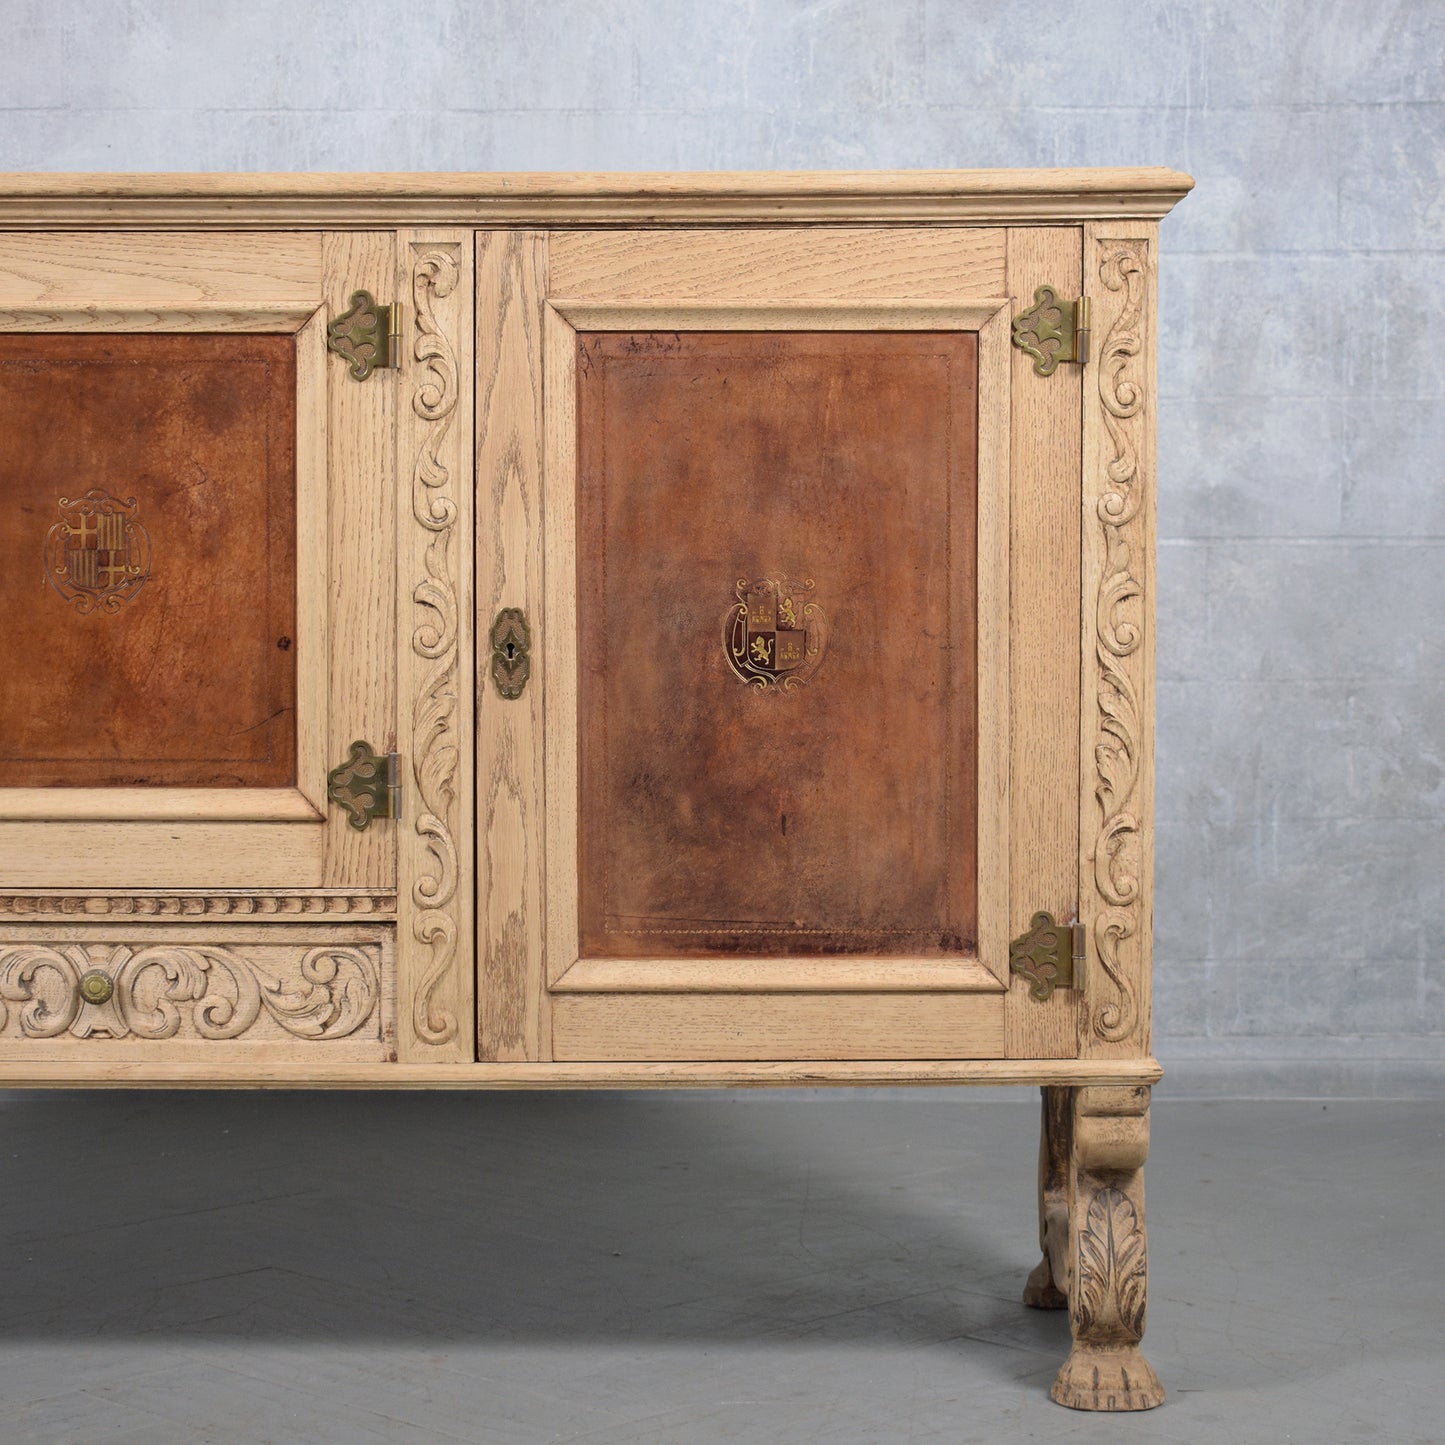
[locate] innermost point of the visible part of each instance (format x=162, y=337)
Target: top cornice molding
x=244, y=201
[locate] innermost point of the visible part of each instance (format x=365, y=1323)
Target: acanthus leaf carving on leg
x=1113, y=1269
x=1108, y=1252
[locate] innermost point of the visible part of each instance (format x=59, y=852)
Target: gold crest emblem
x=774, y=634
x=98, y=556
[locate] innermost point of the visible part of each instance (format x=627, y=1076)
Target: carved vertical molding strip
x=436, y=747
x=435, y=580
x=1118, y=636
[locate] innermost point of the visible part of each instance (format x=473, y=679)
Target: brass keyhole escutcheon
x=511, y=652
x=96, y=987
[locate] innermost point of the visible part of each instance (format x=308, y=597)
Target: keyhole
x=511, y=651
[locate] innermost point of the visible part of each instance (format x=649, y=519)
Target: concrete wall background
x=1301, y=901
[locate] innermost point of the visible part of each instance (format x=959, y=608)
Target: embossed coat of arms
x=774, y=633
x=98, y=555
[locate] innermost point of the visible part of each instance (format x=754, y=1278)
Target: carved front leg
x=1108, y=1255
x=1047, y=1285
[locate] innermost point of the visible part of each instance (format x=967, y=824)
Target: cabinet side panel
x=435, y=912
x=1044, y=633
x=1117, y=722
x=511, y=990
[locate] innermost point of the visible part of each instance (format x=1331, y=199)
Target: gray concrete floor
x=626, y=1269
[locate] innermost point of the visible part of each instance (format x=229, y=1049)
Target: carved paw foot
x=1041, y=1293
x=1102, y=1379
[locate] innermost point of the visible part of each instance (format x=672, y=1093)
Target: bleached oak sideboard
x=574, y=631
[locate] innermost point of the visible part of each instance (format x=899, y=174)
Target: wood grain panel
x=557, y=653
x=296, y=1073
x=777, y=1026
x=511, y=993
x=176, y=805
x=846, y=264
x=1044, y=630
x=126, y=316
x=161, y=855
x=313, y=572
x=993, y=610
x=878, y=974
x=119, y=269
x=362, y=605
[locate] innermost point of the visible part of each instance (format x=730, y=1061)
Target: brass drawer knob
x=96, y=987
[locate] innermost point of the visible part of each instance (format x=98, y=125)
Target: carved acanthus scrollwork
x=1119, y=621
x=434, y=637
x=162, y=991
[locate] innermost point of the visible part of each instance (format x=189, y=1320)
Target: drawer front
x=223, y=997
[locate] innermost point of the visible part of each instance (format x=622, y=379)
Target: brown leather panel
x=148, y=644
x=823, y=806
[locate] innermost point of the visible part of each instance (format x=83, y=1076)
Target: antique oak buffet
x=593, y=631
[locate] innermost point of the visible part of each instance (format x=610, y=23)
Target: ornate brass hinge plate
x=367, y=785
x=1048, y=955
x=1053, y=330
x=367, y=335
x=511, y=652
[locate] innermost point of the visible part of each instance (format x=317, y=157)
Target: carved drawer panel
x=211, y=994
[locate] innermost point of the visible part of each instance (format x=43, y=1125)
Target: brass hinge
x=1050, y=955
x=367, y=335
x=367, y=785
x=1052, y=330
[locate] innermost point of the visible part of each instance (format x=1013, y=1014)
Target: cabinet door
x=197, y=562
x=766, y=751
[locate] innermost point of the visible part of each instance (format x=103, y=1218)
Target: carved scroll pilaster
x=1118, y=569
x=437, y=672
